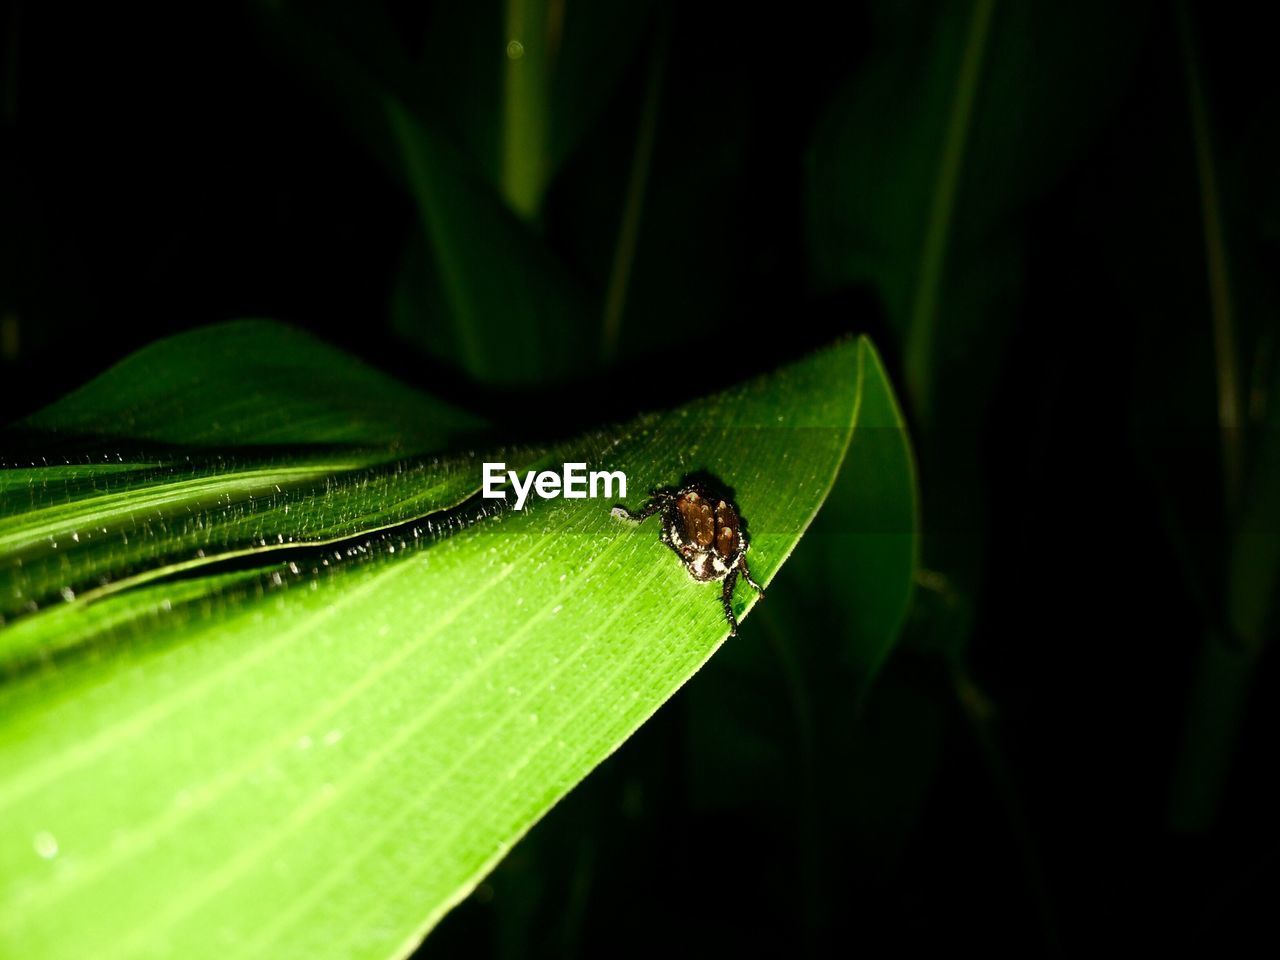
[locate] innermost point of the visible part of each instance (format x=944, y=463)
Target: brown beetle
x=705, y=531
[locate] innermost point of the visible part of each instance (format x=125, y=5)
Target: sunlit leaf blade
x=319, y=756
x=285, y=441
x=156, y=519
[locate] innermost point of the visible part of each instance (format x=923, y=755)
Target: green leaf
x=921, y=176
x=920, y=166
x=319, y=754
x=513, y=314
x=252, y=383
x=476, y=288
x=520, y=111
x=776, y=724
x=860, y=558
x=1221, y=393
x=303, y=445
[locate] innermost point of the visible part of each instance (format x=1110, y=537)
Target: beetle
x=704, y=529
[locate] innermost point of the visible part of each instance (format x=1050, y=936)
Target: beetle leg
x=645, y=512
x=746, y=575
x=675, y=547
x=726, y=597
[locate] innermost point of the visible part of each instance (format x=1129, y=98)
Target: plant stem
x=532, y=40
x=1221, y=312
x=1223, y=676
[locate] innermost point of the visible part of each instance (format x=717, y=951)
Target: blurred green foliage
x=1059, y=222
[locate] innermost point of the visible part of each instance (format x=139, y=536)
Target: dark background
x=1069, y=746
